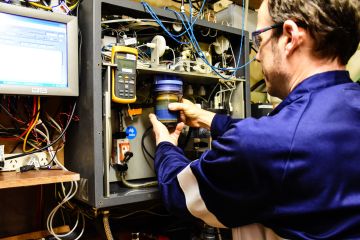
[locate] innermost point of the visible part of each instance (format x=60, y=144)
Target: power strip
x=39, y=159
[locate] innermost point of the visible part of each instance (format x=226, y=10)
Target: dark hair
x=333, y=24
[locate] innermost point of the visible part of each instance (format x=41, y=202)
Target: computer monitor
x=38, y=52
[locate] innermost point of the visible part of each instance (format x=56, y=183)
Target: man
x=296, y=171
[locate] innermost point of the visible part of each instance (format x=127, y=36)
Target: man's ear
x=294, y=37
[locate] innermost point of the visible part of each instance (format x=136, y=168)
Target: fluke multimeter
x=124, y=75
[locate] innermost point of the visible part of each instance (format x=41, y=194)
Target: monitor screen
x=38, y=52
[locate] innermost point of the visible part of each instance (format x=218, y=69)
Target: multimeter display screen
x=127, y=66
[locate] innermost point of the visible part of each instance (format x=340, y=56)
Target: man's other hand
x=162, y=134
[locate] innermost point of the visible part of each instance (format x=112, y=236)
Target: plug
x=127, y=156
x=27, y=168
x=121, y=167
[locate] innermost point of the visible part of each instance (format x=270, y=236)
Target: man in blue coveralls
x=296, y=171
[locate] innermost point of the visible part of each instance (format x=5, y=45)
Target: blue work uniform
x=296, y=171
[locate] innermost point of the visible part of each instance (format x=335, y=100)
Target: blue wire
x=179, y=17
x=152, y=13
x=189, y=24
x=241, y=45
x=195, y=44
x=199, y=52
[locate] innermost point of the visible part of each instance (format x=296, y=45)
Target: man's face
x=270, y=56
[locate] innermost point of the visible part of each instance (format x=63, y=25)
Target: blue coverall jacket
x=296, y=171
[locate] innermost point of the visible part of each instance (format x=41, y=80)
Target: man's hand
x=192, y=115
x=162, y=134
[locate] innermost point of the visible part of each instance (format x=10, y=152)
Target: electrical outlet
x=120, y=147
x=38, y=159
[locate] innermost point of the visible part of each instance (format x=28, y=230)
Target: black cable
x=198, y=4
x=52, y=159
x=196, y=8
x=49, y=145
x=143, y=143
x=252, y=47
x=183, y=143
x=8, y=132
x=257, y=84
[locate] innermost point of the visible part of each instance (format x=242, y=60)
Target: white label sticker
x=131, y=57
x=265, y=106
x=130, y=41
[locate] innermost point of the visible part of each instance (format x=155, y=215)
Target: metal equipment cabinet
x=85, y=139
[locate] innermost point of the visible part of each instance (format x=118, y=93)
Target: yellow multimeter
x=124, y=76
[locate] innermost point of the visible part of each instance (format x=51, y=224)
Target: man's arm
x=222, y=187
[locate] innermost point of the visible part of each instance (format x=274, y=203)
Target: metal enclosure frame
x=84, y=149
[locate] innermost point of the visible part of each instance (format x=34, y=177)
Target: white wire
x=222, y=92
x=233, y=55
x=52, y=213
x=50, y=149
x=74, y=227
x=137, y=185
x=50, y=218
x=173, y=52
x=231, y=92
x=67, y=196
x=46, y=136
x=55, y=123
x=212, y=91
x=142, y=45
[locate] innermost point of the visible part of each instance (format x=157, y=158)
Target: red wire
x=29, y=125
x=18, y=120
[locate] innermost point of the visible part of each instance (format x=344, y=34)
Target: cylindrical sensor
x=167, y=90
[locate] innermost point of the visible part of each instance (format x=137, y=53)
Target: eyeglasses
x=256, y=38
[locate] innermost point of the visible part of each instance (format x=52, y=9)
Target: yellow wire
x=38, y=5
x=74, y=5
x=32, y=126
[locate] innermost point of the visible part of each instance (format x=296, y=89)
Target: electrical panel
x=113, y=146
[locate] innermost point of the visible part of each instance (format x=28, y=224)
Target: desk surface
x=34, y=177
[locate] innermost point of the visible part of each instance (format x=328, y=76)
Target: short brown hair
x=333, y=24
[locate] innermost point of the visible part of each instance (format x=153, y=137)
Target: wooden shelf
x=33, y=177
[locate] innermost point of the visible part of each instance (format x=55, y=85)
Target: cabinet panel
x=102, y=23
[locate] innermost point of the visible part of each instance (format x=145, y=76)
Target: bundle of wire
x=49, y=8
x=49, y=144
x=188, y=23
x=49, y=223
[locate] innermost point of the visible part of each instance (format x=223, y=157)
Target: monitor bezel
x=71, y=22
